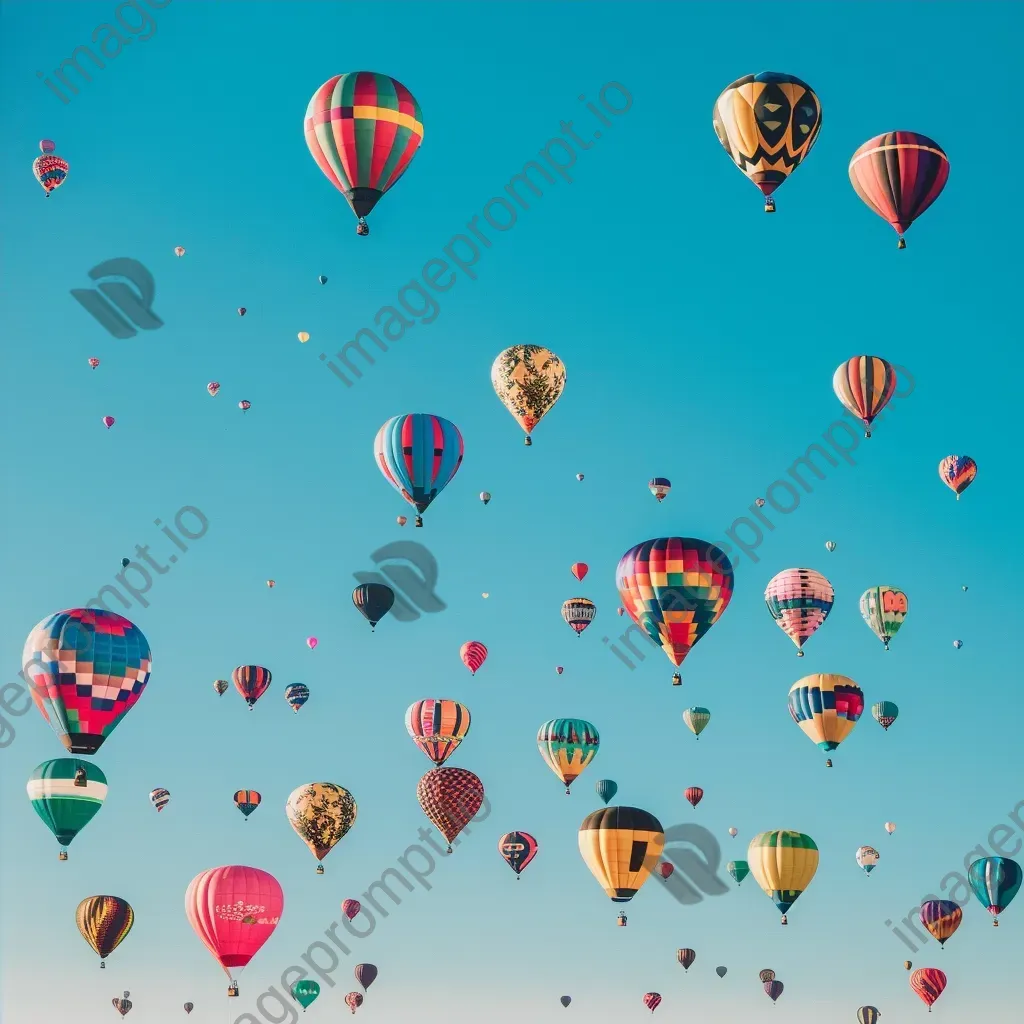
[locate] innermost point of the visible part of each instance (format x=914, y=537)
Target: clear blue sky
x=699, y=338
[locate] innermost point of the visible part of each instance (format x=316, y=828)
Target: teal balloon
x=995, y=881
x=65, y=807
x=739, y=869
x=885, y=713
x=304, y=992
x=606, y=789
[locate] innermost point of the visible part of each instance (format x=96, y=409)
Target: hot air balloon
x=528, y=380
x=606, y=789
x=696, y=720
x=995, y=881
x=579, y=476
x=303, y=336
x=799, y=601
x=322, y=279
x=108, y=421
x=234, y=909
x=559, y=669
x=125, y=562
x=49, y=169
x=242, y=310
x=401, y=520
x=884, y=609
x=928, y=983
x=733, y=831
x=304, y=992
x=517, y=849
x=941, y=918
x=104, y=922
x=885, y=713
x=665, y=869
x=830, y=545
x=296, y=694
x=826, y=706
x=686, y=957
x=907, y=965
x=868, y=1015
x=767, y=123
x=579, y=570
x=350, y=908
x=760, y=502
x=675, y=589
x=485, y=497
x=159, y=798
x=694, y=795
x=864, y=384
x=652, y=1001
x=784, y=863
x=373, y=601
x=247, y=800
x=739, y=869
x=179, y=251
x=957, y=472
x=418, y=454
x=321, y=814
x=122, y=1005
x=271, y=584
x=365, y=974
x=565, y=1000
x=659, y=486
x=86, y=669
x=898, y=175
x=311, y=642
x=773, y=989
x=93, y=362
x=867, y=858
x=363, y=129
x=473, y=655
x=890, y=827
x=568, y=745
x=221, y=686
x=958, y=644
x=766, y=976
x=721, y=971
x=437, y=727
x=213, y=387
x=245, y=405
x=354, y=1000
x=66, y=793
x=450, y=798
x=251, y=681
x=579, y=612
x=621, y=846
x=189, y=1007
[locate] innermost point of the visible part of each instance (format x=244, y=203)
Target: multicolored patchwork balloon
x=799, y=601
x=450, y=798
x=864, y=384
x=884, y=609
x=826, y=706
x=885, y=713
x=568, y=745
x=957, y=472
x=437, y=727
x=941, y=918
x=579, y=612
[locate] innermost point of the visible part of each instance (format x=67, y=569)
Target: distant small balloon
x=559, y=669
x=125, y=562
x=485, y=594
x=565, y=1000
x=271, y=583
x=963, y=588
x=622, y=611
x=759, y=503
x=245, y=405
x=485, y=496
x=94, y=362
x=401, y=520
x=189, y=1007
x=303, y=336
x=322, y=279
x=221, y=686
x=311, y=642
x=579, y=476
x=958, y=644
x=179, y=251
x=890, y=827
x=830, y=545
x=241, y=310
x=108, y=421
x=350, y=908
x=734, y=832
x=665, y=869
x=213, y=387
x=907, y=965
x=721, y=971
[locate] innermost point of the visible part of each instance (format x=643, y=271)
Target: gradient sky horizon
x=699, y=338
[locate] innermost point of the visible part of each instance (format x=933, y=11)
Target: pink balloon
x=234, y=910
x=108, y=421
x=311, y=642
x=351, y=908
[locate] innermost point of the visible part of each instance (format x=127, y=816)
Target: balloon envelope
x=884, y=609
x=621, y=846
x=373, y=601
x=437, y=727
x=826, y=706
x=928, y=983
x=365, y=974
x=568, y=745
x=784, y=863
x=606, y=789
x=517, y=849
x=450, y=798
x=322, y=813
x=941, y=918
x=995, y=881
x=251, y=681
x=799, y=601
x=418, y=454
x=528, y=380
x=864, y=384
x=64, y=807
x=104, y=922
x=957, y=472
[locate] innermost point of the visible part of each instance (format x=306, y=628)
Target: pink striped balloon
x=799, y=601
x=473, y=655
x=652, y=1000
